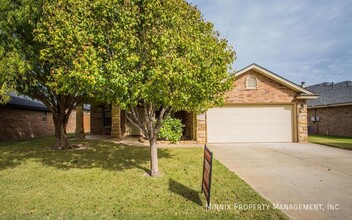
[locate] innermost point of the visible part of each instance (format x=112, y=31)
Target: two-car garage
x=260, y=107
x=250, y=123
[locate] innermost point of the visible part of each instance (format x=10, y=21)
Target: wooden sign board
x=207, y=172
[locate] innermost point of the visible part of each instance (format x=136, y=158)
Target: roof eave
x=307, y=97
x=330, y=105
x=27, y=107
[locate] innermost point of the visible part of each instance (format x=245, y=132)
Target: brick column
x=302, y=121
x=193, y=124
x=79, y=133
x=201, y=129
x=116, y=121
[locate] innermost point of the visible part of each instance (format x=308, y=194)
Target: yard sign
x=207, y=171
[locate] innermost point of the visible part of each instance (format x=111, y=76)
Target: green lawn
x=107, y=181
x=333, y=141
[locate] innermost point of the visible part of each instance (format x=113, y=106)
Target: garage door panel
x=270, y=123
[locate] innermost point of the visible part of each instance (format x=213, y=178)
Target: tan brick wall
x=123, y=122
x=23, y=124
x=268, y=92
x=79, y=132
x=302, y=122
x=96, y=122
x=116, y=122
x=336, y=121
x=71, y=125
x=201, y=128
x=189, y=126
x=86, y=121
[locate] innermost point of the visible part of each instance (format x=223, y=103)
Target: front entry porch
x=107, y=119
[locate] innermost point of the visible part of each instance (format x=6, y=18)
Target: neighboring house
x=331, y=113
x=24, y=117
x=261, y=107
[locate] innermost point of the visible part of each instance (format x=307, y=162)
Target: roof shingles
x=26, y=103
x=331, y=94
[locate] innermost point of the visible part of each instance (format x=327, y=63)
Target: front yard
x=107, y=181
x=333, y=141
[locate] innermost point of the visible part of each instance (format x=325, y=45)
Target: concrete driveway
x=294, y=176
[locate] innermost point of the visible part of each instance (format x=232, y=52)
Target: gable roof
x=331, y=94
x=304, y=93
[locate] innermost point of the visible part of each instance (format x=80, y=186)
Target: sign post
x=207, y=172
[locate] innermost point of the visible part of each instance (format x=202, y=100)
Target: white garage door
x=255, y=123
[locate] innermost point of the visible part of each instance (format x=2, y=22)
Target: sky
x=300, y=40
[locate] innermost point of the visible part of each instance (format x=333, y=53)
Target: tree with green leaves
x=176, y=61
x=29, y=34
x=159, y=56
x=80, y=38
x=11, y=66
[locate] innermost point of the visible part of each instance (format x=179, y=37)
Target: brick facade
x=302, y=122
x=79, y=132
x=96, y=121
x=86, y=121
x=18, y=123
x=71, y=125
x=268, y=92
x=118, y=121
x=201, y=128
x=121, y=127
x=335, y=121
x=116, y=131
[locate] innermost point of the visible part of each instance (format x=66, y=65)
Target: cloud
x=300, y=40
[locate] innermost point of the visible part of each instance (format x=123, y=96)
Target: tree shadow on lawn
x=185, y=191
x=97, y=154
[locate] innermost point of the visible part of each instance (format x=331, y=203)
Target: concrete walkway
x=315, y=176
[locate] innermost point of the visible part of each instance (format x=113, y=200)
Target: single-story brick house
x=23, y=117
x=261, y=107
x=331, y=113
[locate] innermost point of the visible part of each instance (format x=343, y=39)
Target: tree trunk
x=150, y=126
x=61, y=141
x=154, y=168
x=79, y=133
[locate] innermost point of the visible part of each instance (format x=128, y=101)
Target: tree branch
x=164, y=113
x=135, y=120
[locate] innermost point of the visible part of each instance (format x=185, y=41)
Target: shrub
x=171, y=130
